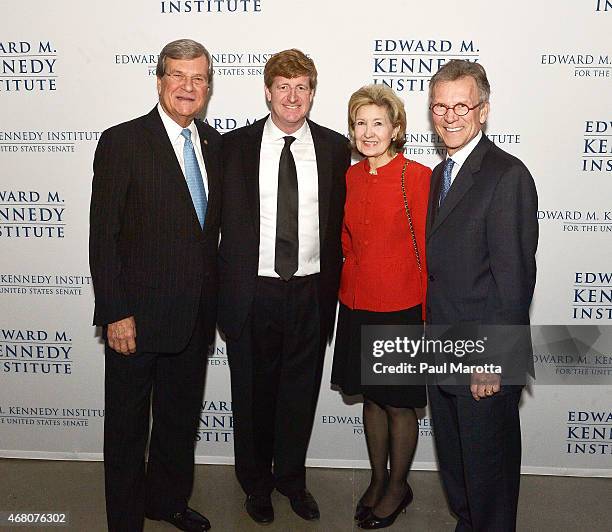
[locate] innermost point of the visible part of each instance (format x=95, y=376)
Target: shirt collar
x=273, y=132
x=174, y=130
x=461, y=155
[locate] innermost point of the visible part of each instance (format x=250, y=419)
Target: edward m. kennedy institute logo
x=592, y=296
x=51, y=417
x=596, y=156
x=35, y=352
x=195, y=7
x=216, y=422
x=428, y=143
x=354, y=424
x=45, y=141
x=577, y=221
x=217, y=355
x=589, y=66
x=588, y=432
x=407, y=65
x=32, y=214
x=226, y=63
x=28, y=66
x=45, y=284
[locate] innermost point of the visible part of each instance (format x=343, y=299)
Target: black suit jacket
x=148, y=255
x=481, y=246
x=239, y=248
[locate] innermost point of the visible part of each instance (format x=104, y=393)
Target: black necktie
x=286, y=250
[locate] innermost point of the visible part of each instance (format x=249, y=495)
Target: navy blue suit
x=150, y=259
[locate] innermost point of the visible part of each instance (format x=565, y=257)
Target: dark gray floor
x=547, y=503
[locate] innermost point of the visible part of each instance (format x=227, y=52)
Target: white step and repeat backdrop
x=69, y=70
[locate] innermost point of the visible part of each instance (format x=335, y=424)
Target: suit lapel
x=250, y=153
x=324, y=170
x=164, y=151
x=461, y=184
x=432, y=208
x=211, y=174
x=204, y=147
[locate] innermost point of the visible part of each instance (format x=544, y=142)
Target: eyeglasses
x=179, y=78
x=460, y=109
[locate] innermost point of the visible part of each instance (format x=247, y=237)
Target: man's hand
x=121, y=336
x=484, y=385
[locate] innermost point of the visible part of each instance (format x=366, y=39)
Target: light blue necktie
x=193, y=176
x=446, y=178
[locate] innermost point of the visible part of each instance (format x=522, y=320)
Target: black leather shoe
x=188, y=519
x=362, y=511
x=304, y=504
x=260, y=508
x=374, y=522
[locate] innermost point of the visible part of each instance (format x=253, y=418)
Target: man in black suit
x=482, y=234
x=279, y=267
x=154, y=227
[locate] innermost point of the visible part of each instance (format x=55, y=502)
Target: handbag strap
x=406, y=208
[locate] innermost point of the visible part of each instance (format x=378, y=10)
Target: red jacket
x=380, y=271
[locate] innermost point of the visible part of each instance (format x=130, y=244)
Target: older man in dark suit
x=279, y=267
x=482, y=234
x=153, y=243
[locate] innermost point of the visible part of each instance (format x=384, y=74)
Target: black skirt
x=346, y=369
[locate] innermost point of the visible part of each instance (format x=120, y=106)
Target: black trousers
x=479, y=451
x=276, y=369
x=176, y=384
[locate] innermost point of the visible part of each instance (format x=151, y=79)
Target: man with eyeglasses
x=154, y=228
x=279, y=269
x=481, y=240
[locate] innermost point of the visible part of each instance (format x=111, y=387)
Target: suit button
x=432, y=278
x=367, y=222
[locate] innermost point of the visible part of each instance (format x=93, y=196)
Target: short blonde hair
x=382, y=96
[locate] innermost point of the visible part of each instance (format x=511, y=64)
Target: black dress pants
x=176, y=383
x=478, y=444
x=276, y=369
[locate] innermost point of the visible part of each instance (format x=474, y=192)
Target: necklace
x=374, y=171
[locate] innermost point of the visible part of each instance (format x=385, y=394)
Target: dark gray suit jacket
x=148, y=255
x=481, y=245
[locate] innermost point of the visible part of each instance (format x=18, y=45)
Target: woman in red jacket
x=383, y=283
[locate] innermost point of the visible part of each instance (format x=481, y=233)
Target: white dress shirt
x=305, y=158
x=174, y=131
x=461, y=155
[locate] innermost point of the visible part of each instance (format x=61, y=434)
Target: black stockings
x=391, y=434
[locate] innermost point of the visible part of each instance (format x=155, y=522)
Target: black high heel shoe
x=373, y=522
x=362, y=511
